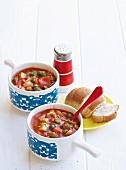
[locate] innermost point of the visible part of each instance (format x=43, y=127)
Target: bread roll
x=105, y=112
x=78, y=96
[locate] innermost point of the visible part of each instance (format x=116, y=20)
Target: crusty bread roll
x=105, y=112
x=78, y=96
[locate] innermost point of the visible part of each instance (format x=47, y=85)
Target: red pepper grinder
x=63, y=64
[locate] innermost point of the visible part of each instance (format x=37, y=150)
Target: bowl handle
x=95, y=152
x=9, y=63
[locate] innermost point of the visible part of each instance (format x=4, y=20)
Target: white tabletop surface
x=96, y=33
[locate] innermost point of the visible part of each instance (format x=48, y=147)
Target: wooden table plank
x=104, y=64
x=17, y=42
x=58, y=23
x=121, y=7
x=18, y=29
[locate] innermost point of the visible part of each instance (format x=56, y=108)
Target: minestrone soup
x=54, y=123
x=33, y=79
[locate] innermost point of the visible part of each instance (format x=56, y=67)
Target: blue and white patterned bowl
x=29, y=100
x=52, y=148
x=55, y=149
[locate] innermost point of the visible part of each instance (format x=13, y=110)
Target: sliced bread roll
x=105, y=112
x=78, y=96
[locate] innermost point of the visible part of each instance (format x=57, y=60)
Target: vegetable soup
x=54, y=123
x=33, y=79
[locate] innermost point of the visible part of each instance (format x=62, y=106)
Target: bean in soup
x=33, y=79
x=54, y=123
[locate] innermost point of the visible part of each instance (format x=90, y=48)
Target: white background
x=96, y=33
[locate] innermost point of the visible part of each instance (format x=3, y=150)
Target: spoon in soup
x=98, y=91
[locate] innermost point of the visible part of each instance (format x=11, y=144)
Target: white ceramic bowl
x=29, y=100
x=57, y=148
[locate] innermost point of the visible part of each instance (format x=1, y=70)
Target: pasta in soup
x=54, y=123
x=33, y=79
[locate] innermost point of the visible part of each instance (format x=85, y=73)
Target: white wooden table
x=96, y=33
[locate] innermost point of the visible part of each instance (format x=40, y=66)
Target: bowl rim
x=33, y=92
x=51, y=105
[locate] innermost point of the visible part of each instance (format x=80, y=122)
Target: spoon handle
x=98, y=91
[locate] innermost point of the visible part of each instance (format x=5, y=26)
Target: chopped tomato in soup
x=45, y=81
x=33, y=79
x=54, y=123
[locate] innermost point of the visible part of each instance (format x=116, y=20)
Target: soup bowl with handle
x=29, y=100
x=57, y=148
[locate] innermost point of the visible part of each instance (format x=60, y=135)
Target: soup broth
x=54, y=123
x=33, y=79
